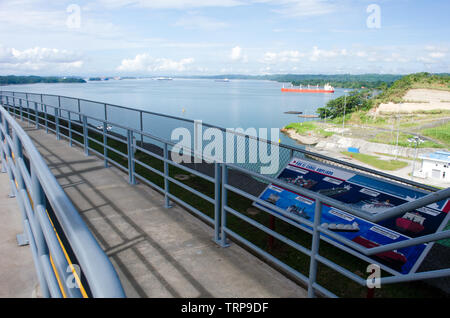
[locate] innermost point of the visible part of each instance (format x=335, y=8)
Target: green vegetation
x=12, y=79
x=308, y=126
x=391, y=139
x=398, y=89
x=374, y=161
x=378, y=81
x=391, y=92
x=354, y=101
x=441, y=133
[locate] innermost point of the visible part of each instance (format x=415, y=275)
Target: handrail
x=383, y=175
x=221, y=208
x=100, y=275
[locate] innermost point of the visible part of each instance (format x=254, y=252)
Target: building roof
x=443, y=156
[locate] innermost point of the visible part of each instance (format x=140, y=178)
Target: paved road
x=18, y=277
x=157, y=252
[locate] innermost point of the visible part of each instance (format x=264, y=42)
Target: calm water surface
x=238, y=103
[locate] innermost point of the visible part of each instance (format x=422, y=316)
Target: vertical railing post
x=46, y=118
x=85, y=136
x=105, y=144
x=2, y=139
x=314, y=248
x=217, y=207
x=28, y=110
x=20, y=109
x=36, y=117
x=38, y=196
x=58, y=137
x=8, y=156
x=22, y=239
x=70, y=128
x=166, y=174
x=223, y=221
x=7, y=104
x=142, y=128
x=131, y=165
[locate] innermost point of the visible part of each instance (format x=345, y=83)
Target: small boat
x=222, y=80
x=164, y=78
x=354, y=227
x=297, y=211
x=334, y=192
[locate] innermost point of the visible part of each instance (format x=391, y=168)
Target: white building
x=435, y=165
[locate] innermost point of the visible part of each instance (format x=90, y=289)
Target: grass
x=374, y=161
x=327, y=277
x=441, y=133
x=309, y=127
x=400, y=157
x=390, y=139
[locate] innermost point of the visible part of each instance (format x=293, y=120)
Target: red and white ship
x=309, y=89
x=410, y=222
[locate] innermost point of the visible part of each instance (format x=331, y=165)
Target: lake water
x=238, y=103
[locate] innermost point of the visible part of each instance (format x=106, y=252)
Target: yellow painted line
x=74, y=272
x=57, y=277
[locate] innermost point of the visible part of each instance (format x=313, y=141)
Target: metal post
x=46, y=118
x=166, y=181
x=131, y=177
x=223, y=237
x=142, y=129
x=105, y=143
x=58, y=137
x=28, y=110
x=36, y=115
x=22, y=239
x=20, y=110
x=38, y=196
x=7, y=104
x=217, y=189
x=70, y=129
x=314, y=248
x=85, y=136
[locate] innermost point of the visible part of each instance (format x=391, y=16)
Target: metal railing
x=90, y=132
x=68, y=260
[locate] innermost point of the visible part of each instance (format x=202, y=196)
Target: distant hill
x=337, y=80
x=399, y=88
x=13, y=79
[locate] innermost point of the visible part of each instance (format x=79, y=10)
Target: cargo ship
x=393, y=259
x=410, y=222
x=309, y=89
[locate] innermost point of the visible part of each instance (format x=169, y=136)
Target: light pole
x=415, y=140
x=343, y=118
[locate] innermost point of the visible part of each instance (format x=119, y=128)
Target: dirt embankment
x=419, y=100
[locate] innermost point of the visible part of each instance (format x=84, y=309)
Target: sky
x=209, y=37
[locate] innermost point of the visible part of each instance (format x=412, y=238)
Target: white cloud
x=146, y=63
x=237, y=54
x=284, y=56
x=38, y=58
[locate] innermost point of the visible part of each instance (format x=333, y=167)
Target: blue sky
x=193, y=37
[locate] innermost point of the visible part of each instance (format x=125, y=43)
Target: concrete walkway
x=157, y=252
x=18, y=277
